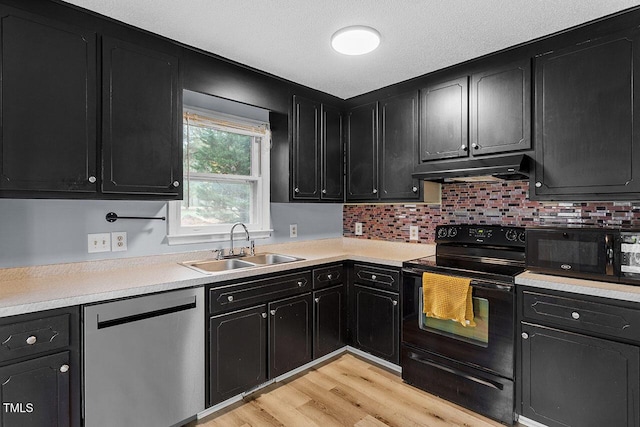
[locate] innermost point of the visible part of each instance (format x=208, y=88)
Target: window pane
x=215, y=202
x=215, y=151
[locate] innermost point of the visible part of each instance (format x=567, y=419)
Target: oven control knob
x=452, y=232
x=521, y=236
x=442, y=232
x=525, y=336
x=511, y=235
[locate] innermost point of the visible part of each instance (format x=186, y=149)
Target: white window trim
x=179, y=235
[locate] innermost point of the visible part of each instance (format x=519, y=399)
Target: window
x=226, y=178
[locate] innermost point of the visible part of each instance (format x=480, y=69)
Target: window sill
x=185, y=239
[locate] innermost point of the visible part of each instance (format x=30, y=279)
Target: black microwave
x=591, y=253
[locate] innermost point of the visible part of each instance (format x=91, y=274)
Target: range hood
x=475, y=170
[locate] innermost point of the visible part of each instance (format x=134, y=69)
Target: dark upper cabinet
x=48, y=105
x=290, y=330
x=571, y=379
x=141, y=147
x=587, y=125
x=382, y=150
x=500, y=109
x=398, y=126
x=237, y=349
x=329, y=324
x=317, y=165
x=444, y=120
x=332, y=175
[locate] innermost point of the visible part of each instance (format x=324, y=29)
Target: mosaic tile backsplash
x=504, y=203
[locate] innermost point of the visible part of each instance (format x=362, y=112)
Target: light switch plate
x=119, y=241
x=413, y=232
x=98, y=242
x=358, y=229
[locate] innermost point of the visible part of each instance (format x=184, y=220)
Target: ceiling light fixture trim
x=355, y=40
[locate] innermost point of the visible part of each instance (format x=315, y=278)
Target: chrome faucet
x=231, y=252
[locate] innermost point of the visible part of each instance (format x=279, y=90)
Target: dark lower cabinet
x=375, y=324
x=237, y=346
x=48, y=105
x=36, y=393
x=329, y=325
x=570, y=379
x=290, y=328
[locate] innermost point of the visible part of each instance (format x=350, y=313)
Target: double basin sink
x=222, y=265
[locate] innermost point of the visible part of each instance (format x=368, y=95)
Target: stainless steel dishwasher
x=144, y=360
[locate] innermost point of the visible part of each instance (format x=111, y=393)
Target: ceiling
x=291, y=38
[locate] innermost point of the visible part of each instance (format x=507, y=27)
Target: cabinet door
x=332, y=155
x=48, y=105
x=399, y=147
x=500, y=110
x=376, y=322
x=306, y=149
x=586, y=120
x=329, y=323
x=290, y=326
x=444, y=123
x=141, y=146
x=574, y=380
x=36, y=393
x=362, y=153
x=237, y=352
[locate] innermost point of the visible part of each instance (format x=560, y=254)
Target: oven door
x=488, y=346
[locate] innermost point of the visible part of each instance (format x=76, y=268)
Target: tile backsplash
x=503, y=203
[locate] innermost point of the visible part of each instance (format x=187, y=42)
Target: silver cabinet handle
x=296, y=190
x=324, y=191
x=64, y=368
x=375, y=190
x=538, y=184
x=300, y=284
x=374, y=277
x=230, y=298
x=31, y=340
x=264, y=315
x=316, y=299
x=92, y=179
x=414, y=189
x=176, y=184
x=463, y=147
x=273, y=312
x=525, y=336
x=329, y=276
x=575, y=315
x=475, y=146
x=395, y=302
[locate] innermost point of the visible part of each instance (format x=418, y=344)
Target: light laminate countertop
x=30, y=289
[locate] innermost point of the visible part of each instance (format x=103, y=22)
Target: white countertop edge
x=579, y=286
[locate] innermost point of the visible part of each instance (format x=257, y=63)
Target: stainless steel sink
x=222, y=265
x=267, y=259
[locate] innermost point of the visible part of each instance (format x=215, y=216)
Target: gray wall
x=37, y=232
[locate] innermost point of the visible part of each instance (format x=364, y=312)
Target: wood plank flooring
x=347, y=391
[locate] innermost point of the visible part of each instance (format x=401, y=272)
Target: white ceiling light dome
x=355, y=40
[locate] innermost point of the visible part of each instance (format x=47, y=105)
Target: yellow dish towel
x=447, y=297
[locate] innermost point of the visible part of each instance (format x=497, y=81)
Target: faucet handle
x=252, y=247
x=218, y=253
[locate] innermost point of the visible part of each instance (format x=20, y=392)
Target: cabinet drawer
x=327, y=276
x=605, y=319
x=33, y=336
x=255, y=292
x=382, y=278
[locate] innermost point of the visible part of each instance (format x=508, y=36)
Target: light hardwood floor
x=347, y=391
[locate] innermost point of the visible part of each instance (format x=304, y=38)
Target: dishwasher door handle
x=107, y=320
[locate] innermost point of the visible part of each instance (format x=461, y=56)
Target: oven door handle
x=457, y=372
x=475, y=283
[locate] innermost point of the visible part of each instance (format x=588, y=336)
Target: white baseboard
x=529, y=423
x=239, y=397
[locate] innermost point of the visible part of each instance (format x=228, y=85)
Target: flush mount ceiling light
x=355, y=40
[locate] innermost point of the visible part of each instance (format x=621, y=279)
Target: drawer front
x=605, y=319
x=34, y=336
x=255, y=292
x=382, y=278
x=327, y=276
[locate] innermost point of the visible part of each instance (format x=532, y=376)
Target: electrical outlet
x=293, y=230
x=358, y=229
x=413, y=232
x=99, y=242
x=119, y=241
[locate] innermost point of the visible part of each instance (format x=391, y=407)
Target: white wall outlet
x=99, y=242
x=293, y=230
x=413, y=232
x=118, y=241
x=358, y=229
